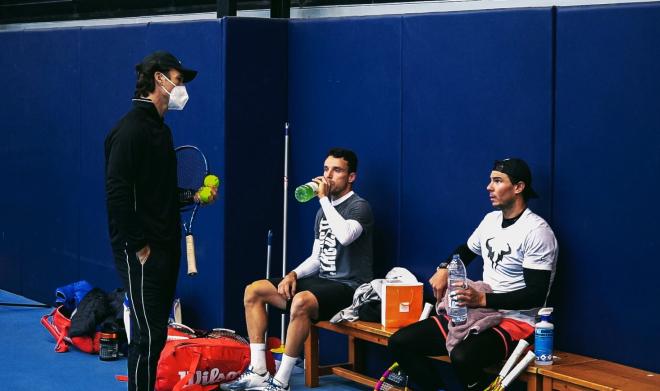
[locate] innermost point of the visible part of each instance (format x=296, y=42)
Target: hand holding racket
x=192, y=170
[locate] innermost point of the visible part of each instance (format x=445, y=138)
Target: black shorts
x=333, y=296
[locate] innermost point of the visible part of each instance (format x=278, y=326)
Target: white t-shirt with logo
x=528, y=243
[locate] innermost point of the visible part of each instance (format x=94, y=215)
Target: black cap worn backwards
x=518, y=171
x=165, y=61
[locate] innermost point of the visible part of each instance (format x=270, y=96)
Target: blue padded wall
x=106, y=88
x=476, y=87
x=12, y=114
x=255, y=113
x=47, y=160
x=606, y=186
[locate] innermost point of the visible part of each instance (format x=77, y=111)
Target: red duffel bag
x=58, y=323
x=201, y=364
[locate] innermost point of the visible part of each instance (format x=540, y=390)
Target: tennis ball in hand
x=205, y=195
x=211, y=181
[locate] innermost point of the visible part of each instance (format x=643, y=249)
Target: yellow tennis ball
x=205, y=194
x=211, y=181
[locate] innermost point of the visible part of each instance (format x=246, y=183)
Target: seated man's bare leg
x=256, y=296
x=304, y=308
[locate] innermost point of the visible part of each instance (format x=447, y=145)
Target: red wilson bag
x=200, y=364
x=58, y=323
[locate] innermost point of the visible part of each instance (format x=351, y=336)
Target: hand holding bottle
x=470, y=297
x=324, y=187
x=319, y=186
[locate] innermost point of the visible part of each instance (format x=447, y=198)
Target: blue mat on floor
x=30, y=363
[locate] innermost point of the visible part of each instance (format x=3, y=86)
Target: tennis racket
x=226, y=333
x=392, y=379
x=507, y=375
x=192, y=167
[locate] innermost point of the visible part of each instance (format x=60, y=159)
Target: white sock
x=258, y=357
x=286, y=367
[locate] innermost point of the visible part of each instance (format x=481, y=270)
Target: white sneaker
x=275, y=385
x=249, y=380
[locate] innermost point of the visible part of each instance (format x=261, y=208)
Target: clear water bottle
x=306, y=192
x=457, y=280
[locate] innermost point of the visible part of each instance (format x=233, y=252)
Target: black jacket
x=141, y=180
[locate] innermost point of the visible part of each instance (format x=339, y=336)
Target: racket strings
x=393, y=379
x=191, y=168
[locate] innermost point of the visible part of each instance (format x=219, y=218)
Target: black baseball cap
x=518, y=171
x=165, y=61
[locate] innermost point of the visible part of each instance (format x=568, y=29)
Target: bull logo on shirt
x=497, y=254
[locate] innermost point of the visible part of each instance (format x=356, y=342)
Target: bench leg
x=534, y=382
x=312, y=358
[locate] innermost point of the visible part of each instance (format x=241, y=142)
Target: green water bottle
x=306, y=192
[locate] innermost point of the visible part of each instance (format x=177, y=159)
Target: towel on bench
x=478, y=320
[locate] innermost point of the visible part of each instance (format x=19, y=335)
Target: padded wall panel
x=198, y=45
x=12, y=113
x=345, y=90
x=605, y=187
x=255, y=112
x=48, y=151
x=107, y=83
x=476, y=87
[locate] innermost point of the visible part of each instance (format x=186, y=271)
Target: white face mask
x=178, y=96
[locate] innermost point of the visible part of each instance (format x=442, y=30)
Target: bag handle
x=181, y=385
x=60, y=345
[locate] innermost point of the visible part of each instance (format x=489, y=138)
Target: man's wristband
x=443, y=265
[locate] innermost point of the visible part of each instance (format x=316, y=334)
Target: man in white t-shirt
x=519, y=252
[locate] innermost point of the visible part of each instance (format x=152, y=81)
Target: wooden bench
x=354, y=367
x=569, y=371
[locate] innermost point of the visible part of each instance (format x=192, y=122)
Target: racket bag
x=200, y=364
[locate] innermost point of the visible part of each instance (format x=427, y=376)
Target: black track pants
x=150, y=288
x=411, y=346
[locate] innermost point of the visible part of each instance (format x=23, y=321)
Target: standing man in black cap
x=519, y=251
x=143, y=204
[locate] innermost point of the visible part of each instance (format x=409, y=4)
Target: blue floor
x=28, y=361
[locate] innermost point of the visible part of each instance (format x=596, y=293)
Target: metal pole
x=284, y=219
x=268, y=251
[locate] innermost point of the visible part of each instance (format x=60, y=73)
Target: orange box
x=402, y=303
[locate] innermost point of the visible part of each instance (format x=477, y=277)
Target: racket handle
x=522, y=365
x=522, y=345
x=190, y=255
